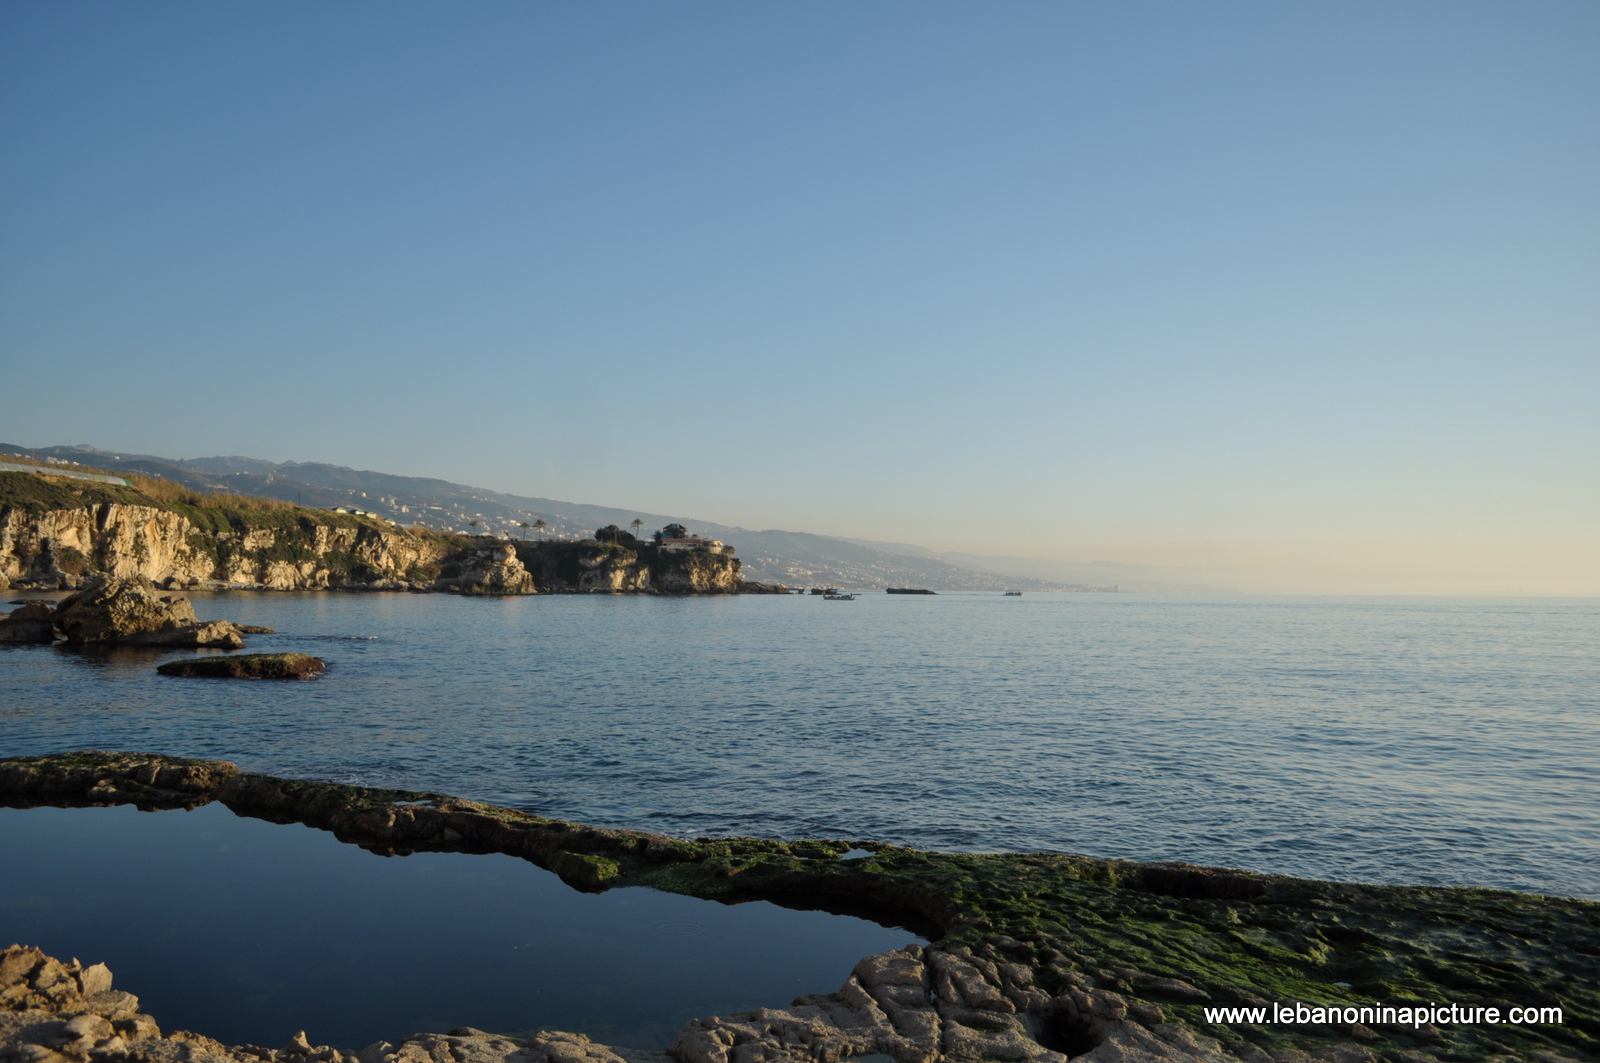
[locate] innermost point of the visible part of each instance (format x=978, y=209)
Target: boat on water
x=838, y=597
x=1013, y=594
x=909, y=590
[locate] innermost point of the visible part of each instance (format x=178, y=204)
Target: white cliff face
x=58, y=548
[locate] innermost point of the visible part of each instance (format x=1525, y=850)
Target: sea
x=1406, y=740
x=1438, y=741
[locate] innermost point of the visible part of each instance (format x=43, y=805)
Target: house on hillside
x=694, y=542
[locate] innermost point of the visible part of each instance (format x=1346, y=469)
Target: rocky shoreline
x=60, y=534
x=1039, y=957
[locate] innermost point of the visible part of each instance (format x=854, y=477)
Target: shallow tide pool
x=249, y=931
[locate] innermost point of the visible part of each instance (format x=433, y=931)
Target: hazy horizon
x=1282, y=299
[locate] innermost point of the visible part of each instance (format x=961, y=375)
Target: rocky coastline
x=61, y=534
x=1038, y=957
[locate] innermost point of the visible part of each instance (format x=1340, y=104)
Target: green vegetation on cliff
x=31, y=493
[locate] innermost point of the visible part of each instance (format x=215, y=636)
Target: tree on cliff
x=636, y=524
x=524, y=526
x=674, y=531
x=539, y=526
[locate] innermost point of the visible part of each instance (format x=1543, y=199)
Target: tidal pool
x=248, y=931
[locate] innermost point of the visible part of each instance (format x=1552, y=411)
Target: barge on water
x=909, y=590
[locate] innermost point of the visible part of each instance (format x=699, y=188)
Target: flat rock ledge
x=1038, y=957
x=248, y=666
x=913, y=1005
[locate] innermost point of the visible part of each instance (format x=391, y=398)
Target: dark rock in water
x=254, y=629
x=31, y=623
x=129, y=612
x=248, y=666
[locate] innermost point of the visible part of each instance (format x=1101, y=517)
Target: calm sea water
x=1439, y=741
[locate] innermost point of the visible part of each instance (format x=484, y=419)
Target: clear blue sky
x=1309, y=293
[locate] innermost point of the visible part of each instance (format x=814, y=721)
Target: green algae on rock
x=248, y=666
x=1039, y=956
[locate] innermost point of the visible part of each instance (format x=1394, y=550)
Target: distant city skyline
x=1287, y=299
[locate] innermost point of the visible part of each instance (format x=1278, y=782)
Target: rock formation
x=1038, y=956
x=31, y=623
x=487, y=568
x=248, y=666
x=128, y=612
x=913, y=1005
x=59, y=536
x=594, y=567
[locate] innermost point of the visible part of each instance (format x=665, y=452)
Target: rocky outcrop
x=631, y=567
x=486, y=568
x=1035, y=953
x=128, y=612
x=54, y=1012
x=48, y=547
x=914, y=1005
x=61, y=535
x=31, y=623
x=248, y=666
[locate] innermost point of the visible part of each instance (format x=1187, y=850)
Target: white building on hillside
x=694, y=542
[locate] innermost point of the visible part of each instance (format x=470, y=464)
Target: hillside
x=792, y=558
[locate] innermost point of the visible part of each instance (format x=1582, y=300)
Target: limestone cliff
x=53, y=535
x=591, y=567
x=56, y=533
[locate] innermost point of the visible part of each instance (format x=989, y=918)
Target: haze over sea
x=1431, y=741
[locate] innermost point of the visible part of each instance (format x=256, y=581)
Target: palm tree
x=474, y=526
x=539, y=526
x=636, y=524
x=524, y=527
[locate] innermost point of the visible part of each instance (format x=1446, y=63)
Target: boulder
x=130, y=612
x=248, y=666
x=31, y=623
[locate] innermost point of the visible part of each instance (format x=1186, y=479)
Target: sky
x=1298, y=298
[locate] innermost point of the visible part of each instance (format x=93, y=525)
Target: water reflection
x=249, y=931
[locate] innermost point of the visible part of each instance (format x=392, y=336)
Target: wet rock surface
x=248, y=666
x=1038, y=956
x=56, y=1012
x=31, y=623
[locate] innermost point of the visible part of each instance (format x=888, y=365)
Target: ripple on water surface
x=1402, y=740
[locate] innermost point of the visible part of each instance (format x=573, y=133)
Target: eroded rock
x=490, y=568
x=130, y=612
x=31, y=623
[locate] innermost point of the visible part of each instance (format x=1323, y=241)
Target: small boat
x=838, y=597
x=1013, y=594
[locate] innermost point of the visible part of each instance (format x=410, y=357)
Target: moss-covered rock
x=248, y=666
x=1159, y=943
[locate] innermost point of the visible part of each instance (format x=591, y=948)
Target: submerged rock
x=248, y=666
x=130, y=612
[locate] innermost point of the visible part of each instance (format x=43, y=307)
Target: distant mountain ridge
x=796, y=559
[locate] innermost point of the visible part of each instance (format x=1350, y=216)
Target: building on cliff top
x=694, y=542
